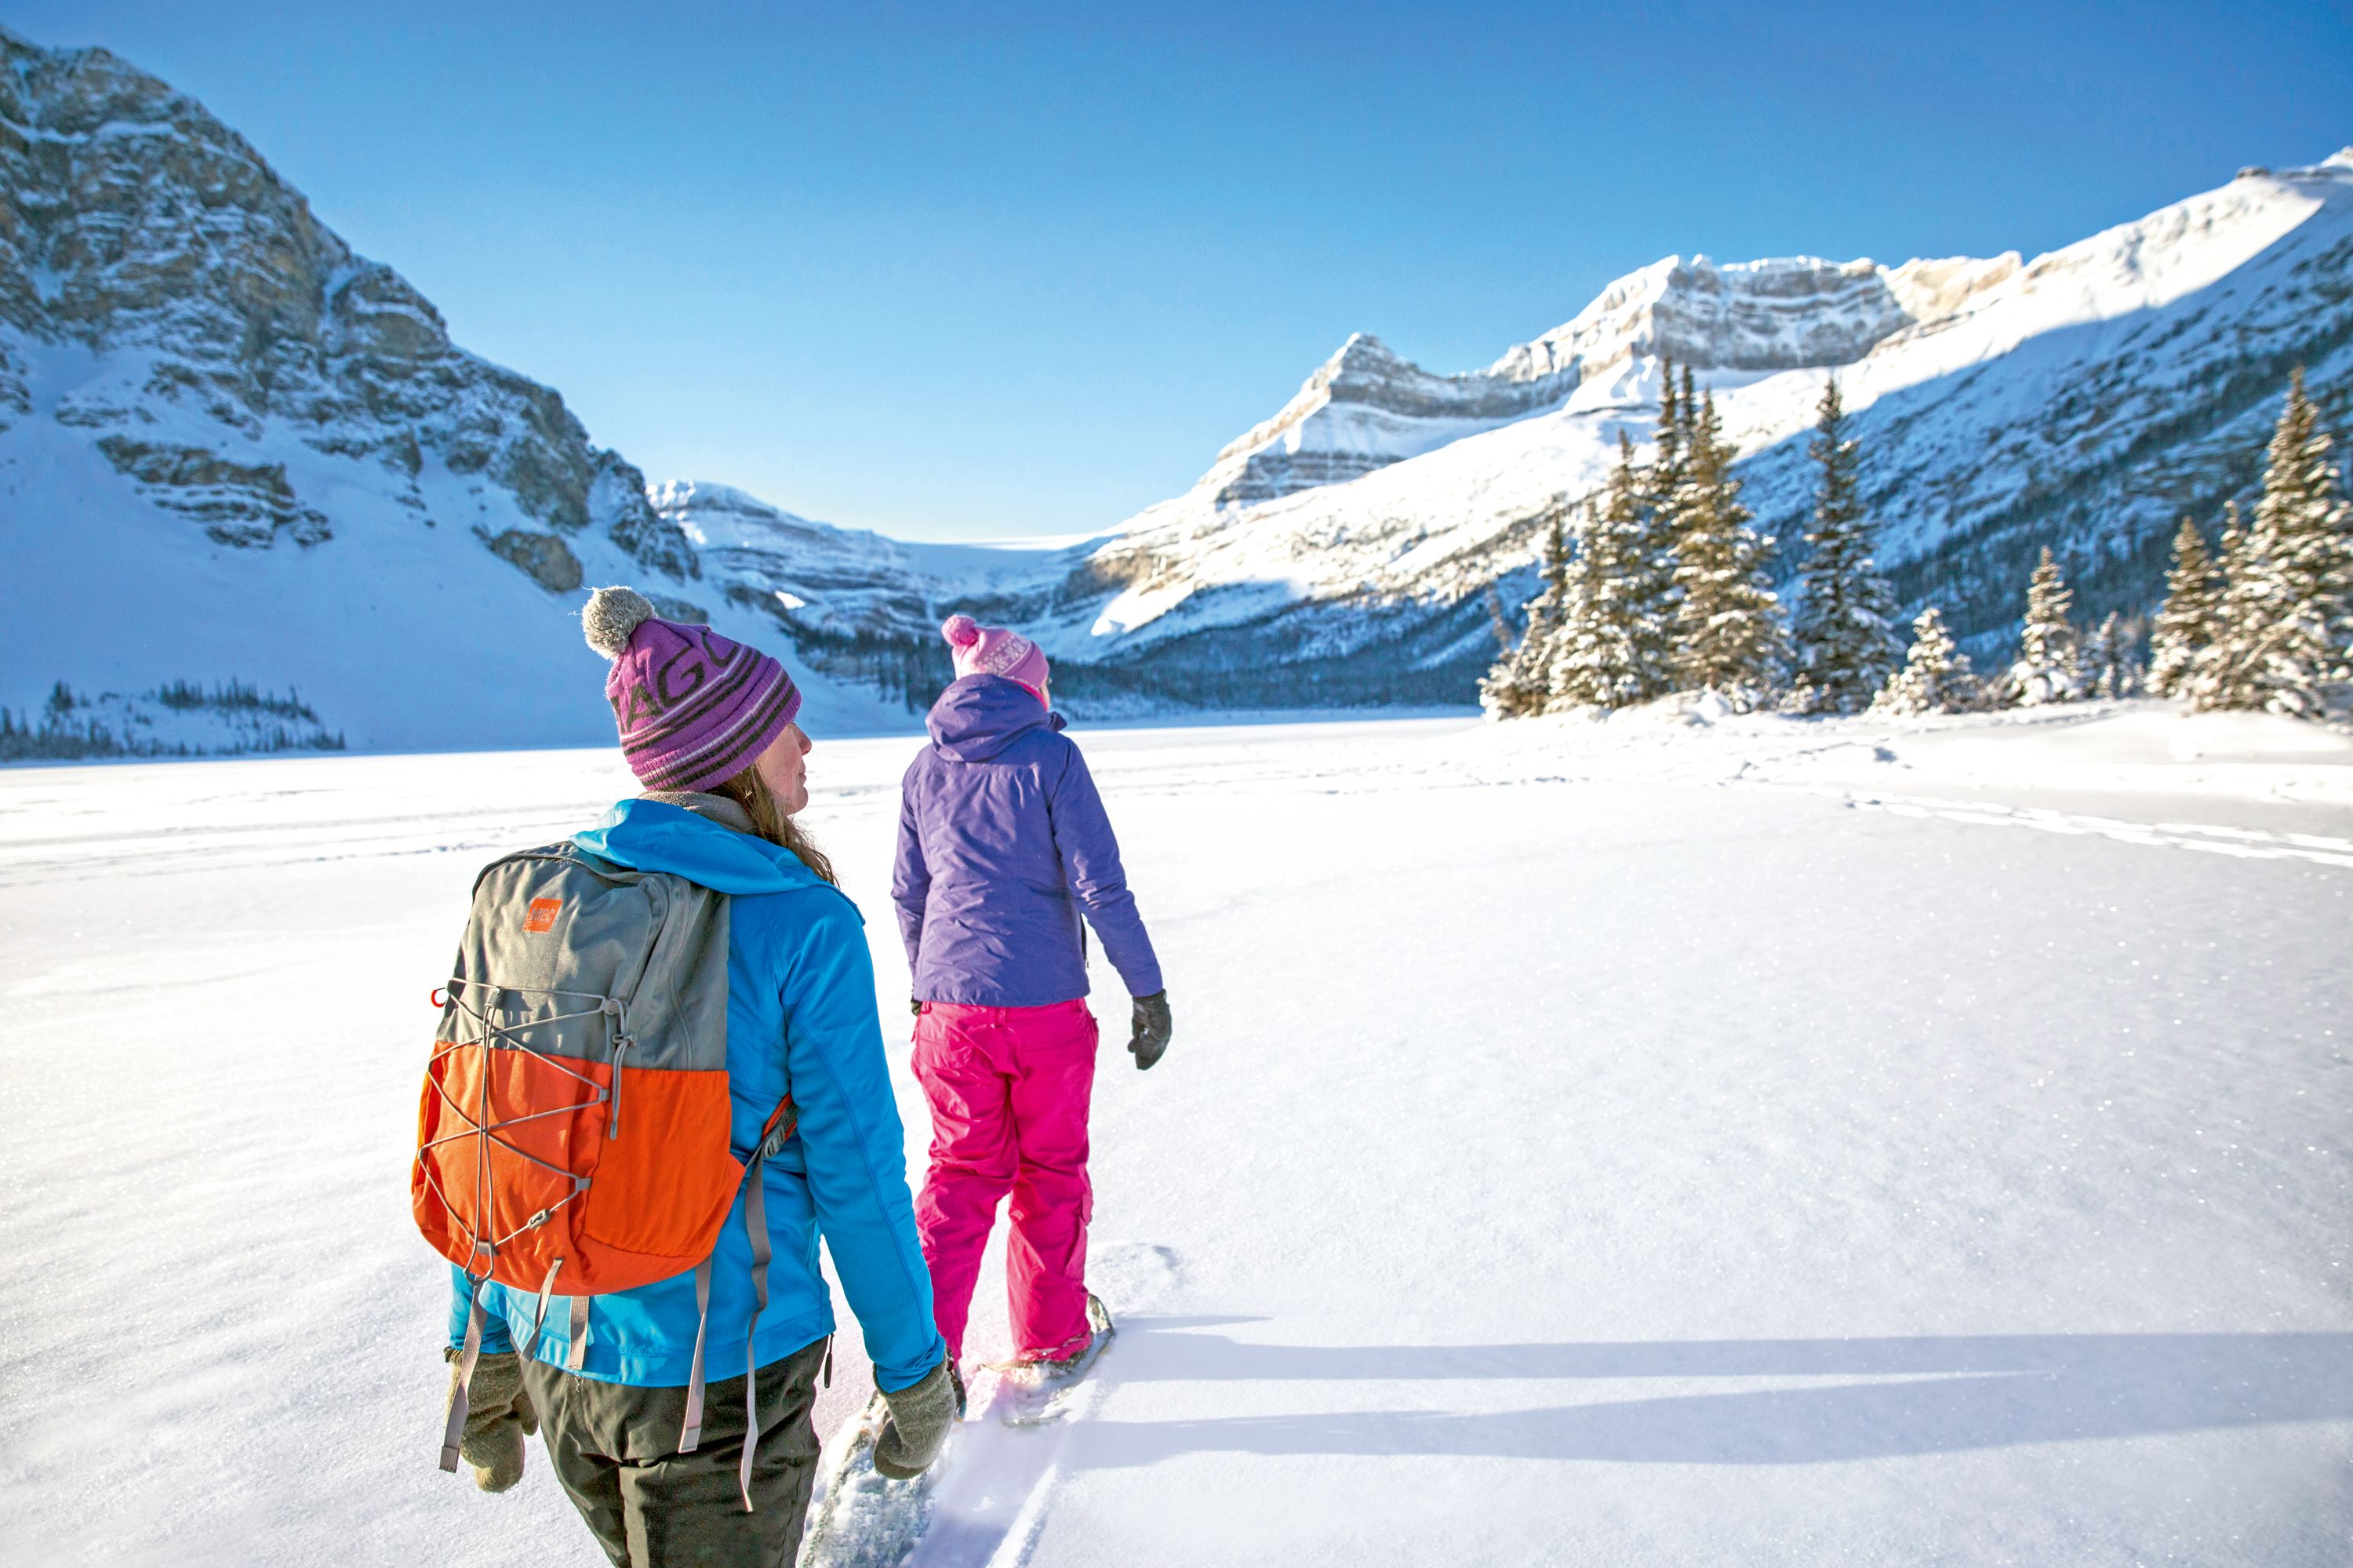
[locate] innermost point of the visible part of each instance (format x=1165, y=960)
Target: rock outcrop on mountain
x=1365, y=409
x=226, y=321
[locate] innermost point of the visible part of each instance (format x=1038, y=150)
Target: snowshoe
x=1043, y=1391
x=864, y=1519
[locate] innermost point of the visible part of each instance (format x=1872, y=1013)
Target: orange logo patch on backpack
x=543, y=914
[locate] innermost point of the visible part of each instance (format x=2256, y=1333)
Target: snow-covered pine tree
x=1666, y=500
x=1935, y=677
x=2094, y=657
x=1572, y=677
x=2107, y=663
x=2212, y=670
x=1729, y=636
x=2049, y=667
x=1519, y=682
x=2286, y=639
x=1667, y=461
x=2186, y=622
x=1845, y=636
x=1614, y=645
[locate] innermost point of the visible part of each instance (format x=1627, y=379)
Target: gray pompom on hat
x=611, y=614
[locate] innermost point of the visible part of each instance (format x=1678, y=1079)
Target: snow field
x=1566, y=1155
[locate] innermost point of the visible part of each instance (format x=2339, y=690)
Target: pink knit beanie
x=694, y=708
x=995, y=651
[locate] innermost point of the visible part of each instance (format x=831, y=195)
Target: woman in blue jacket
x=1003, y=843
x=707, y=726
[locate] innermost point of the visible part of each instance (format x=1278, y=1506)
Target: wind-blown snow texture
x=231, y=450
x=1682, y=1139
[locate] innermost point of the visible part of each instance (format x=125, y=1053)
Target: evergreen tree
x=1729, y=636
x=2187, y=623
x=1520, y=682
x=1845, y=636
x=2210, y=668
x=1498, y=623
x=2096, y=663
x=1615, y=640
x=1667, y=471
x=2107, y=663
x=2049, y=667
x=1935, y=677
x=1667, y=499
x=2287, y=639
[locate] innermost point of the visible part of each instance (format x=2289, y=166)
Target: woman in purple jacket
x=1003, y=843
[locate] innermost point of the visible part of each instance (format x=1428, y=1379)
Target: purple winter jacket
x=1002, y=840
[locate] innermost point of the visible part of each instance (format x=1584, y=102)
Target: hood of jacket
x=657, y=835
x=979, y=715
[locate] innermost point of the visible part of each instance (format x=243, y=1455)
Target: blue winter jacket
x=1002, y=840
x=800, y=1017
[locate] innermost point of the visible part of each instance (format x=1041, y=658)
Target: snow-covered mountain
x=2085, y=399
x=233, y=451
x=1343, y=548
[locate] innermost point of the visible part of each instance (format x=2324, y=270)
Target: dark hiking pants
x=615, y=1448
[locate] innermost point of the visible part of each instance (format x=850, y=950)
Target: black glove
x=915, y=1007
x=499, y=1417
x=916, y=1424
x=1149, y=1038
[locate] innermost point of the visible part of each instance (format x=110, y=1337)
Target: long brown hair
x=751, y=792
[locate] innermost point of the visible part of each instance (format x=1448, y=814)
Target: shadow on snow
x=1929, y=1395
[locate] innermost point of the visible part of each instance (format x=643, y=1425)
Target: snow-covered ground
x=1652, y=1141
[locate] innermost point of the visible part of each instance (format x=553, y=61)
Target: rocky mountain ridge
x=136, y=227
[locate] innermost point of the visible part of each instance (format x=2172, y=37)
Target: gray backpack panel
x=567, y=954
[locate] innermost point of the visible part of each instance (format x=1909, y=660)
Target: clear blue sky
x=952, y=271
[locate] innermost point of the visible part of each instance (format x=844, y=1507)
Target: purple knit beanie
x=995, y=651
x=694, y=708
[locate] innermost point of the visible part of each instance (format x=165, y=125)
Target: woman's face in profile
x=783, y=768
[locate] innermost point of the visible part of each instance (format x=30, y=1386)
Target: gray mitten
x=499, y=1417
x=917, y=1424
x=1151, y=1026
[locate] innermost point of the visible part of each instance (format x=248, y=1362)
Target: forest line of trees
x=1659, y=585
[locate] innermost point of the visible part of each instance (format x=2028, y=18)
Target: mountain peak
x=1366, y=406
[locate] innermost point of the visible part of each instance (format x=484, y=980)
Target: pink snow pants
x=1008, y=1088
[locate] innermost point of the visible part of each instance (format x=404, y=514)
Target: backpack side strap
x=575, y=1351
x=782, y=1123
x=691, y=1437
x=756, y=1221
x=469, y=1354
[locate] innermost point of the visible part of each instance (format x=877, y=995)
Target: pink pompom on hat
x=995, y=651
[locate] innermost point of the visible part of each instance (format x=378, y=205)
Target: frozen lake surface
x=1680, y=1140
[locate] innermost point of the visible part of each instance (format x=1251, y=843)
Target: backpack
x=572, y=1136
